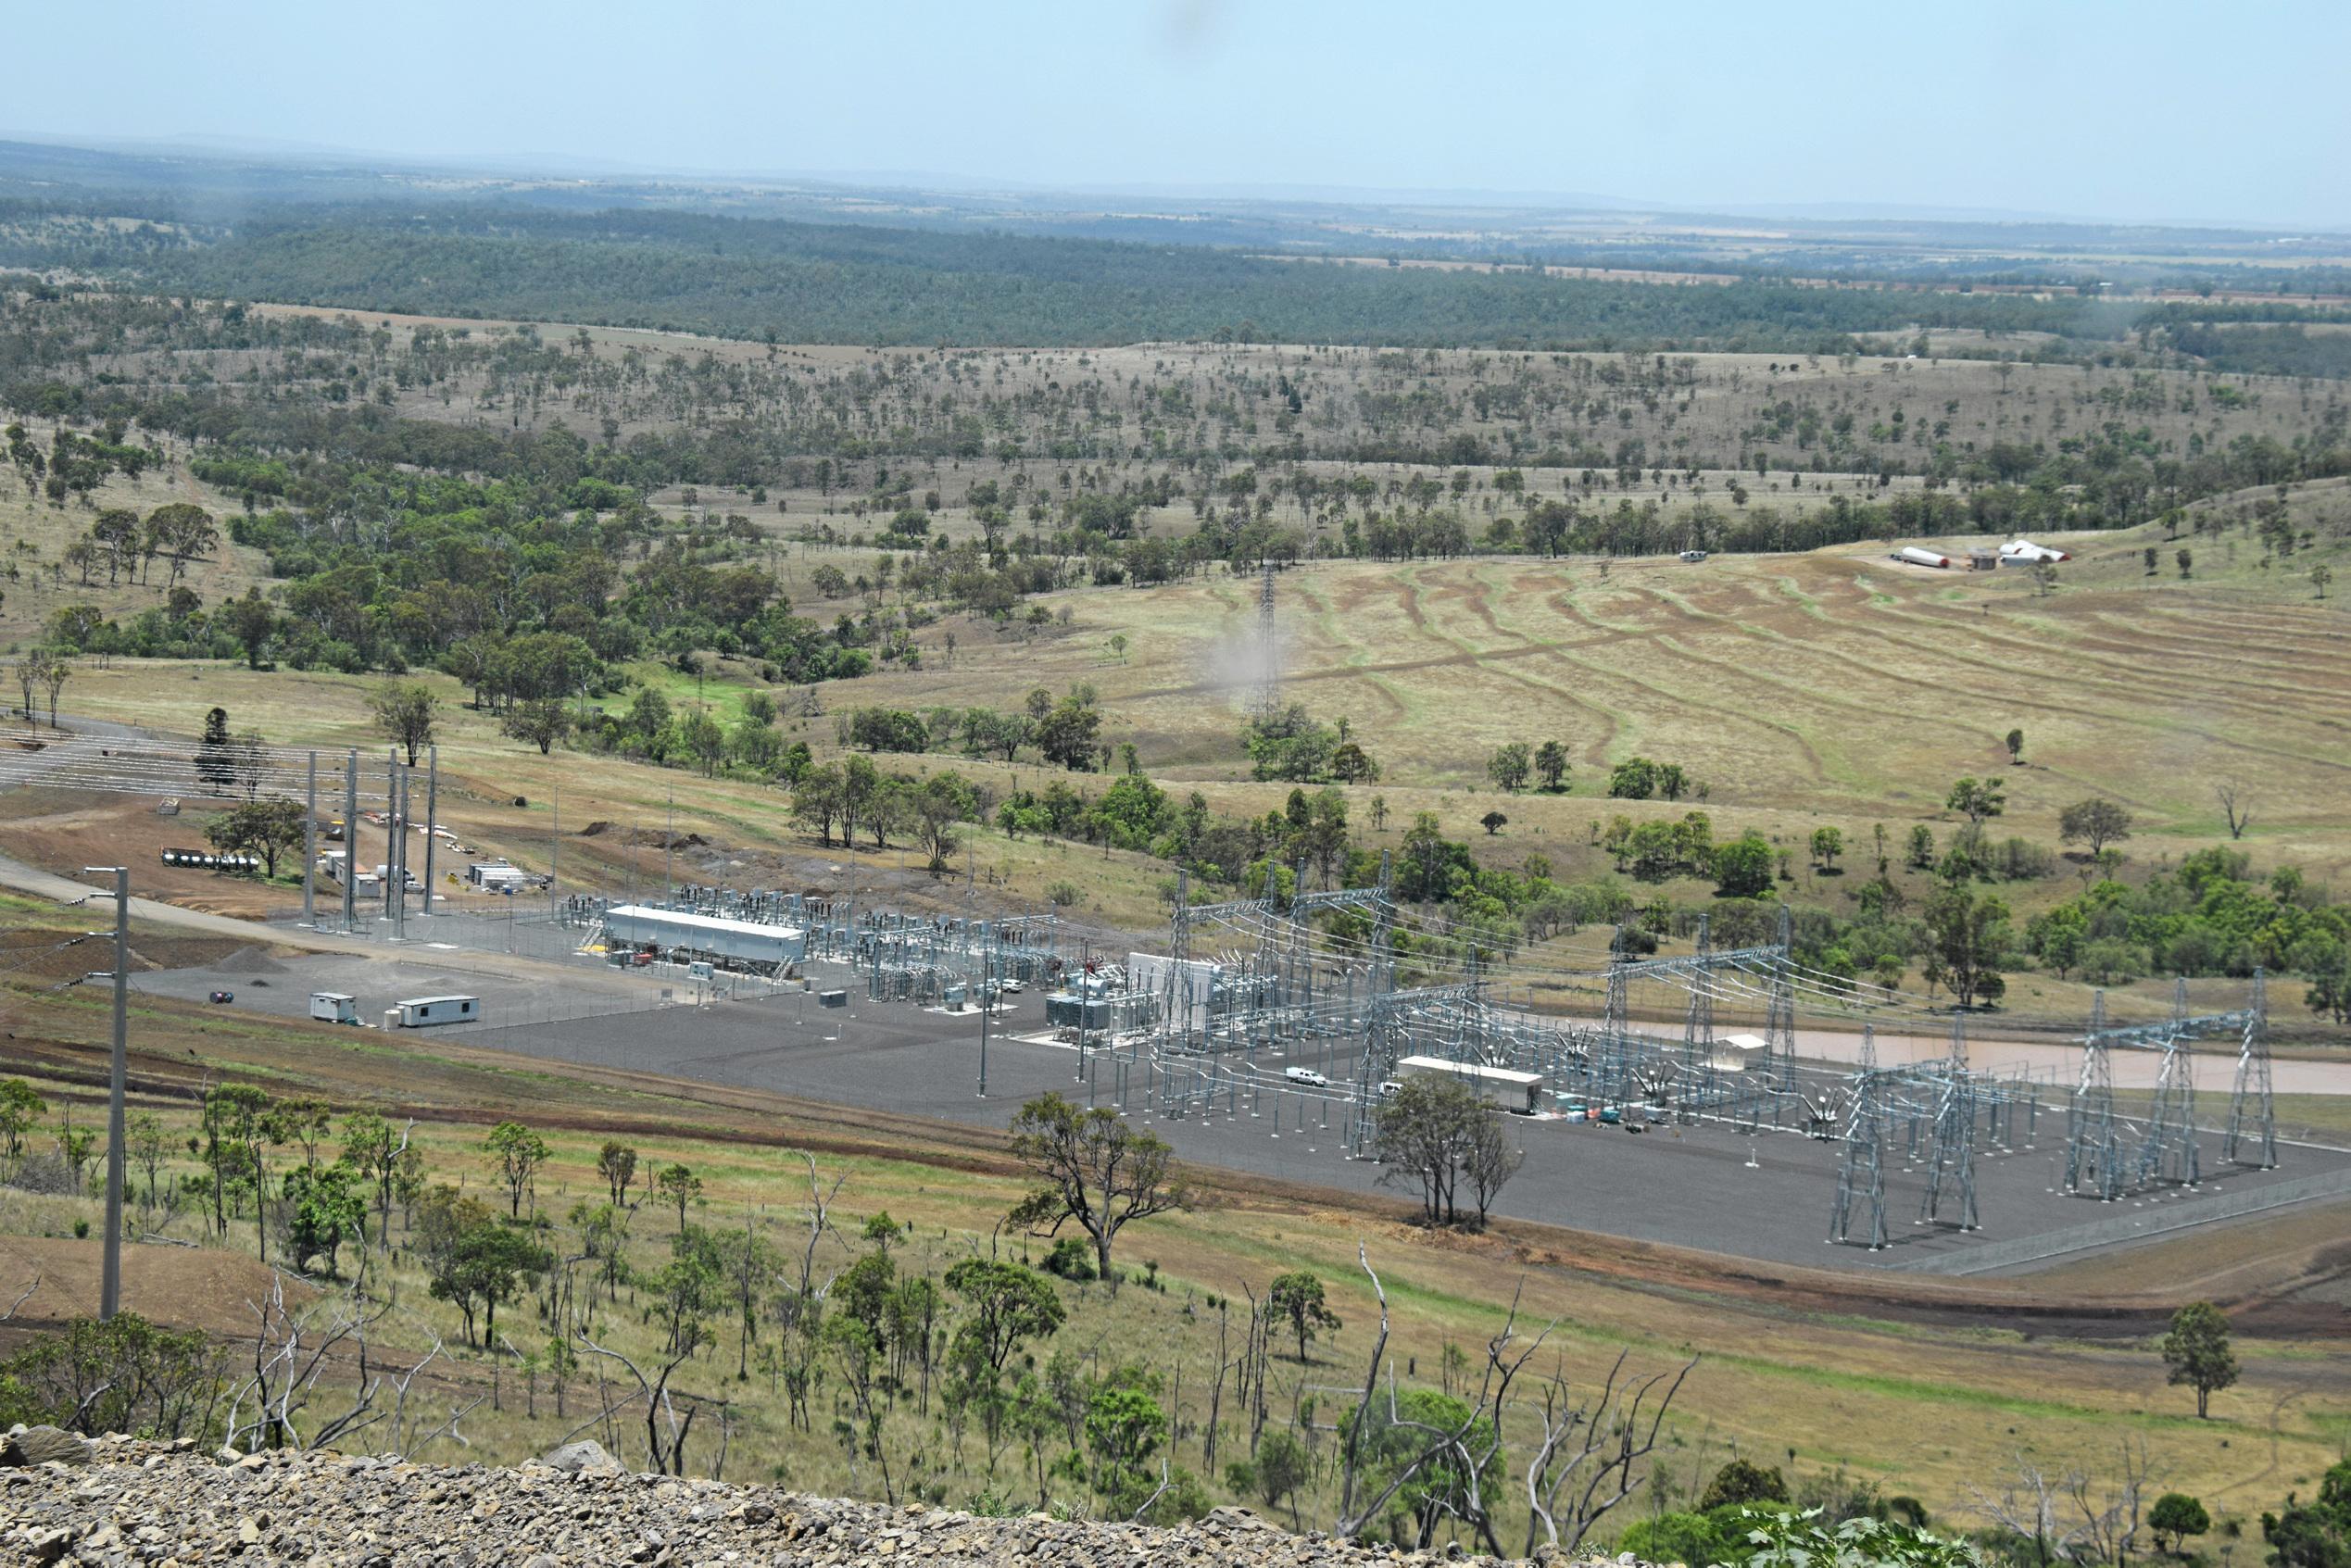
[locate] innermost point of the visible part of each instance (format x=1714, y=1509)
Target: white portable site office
x=424, y=1012
x=333, y=1007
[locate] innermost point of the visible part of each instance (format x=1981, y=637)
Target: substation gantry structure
x=2108, y=1156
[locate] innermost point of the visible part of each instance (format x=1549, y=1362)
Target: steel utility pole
x=432, y=804
x=391, y=825
x=310, y=846
x=351, y=840
x=396, y=884
x=111, y=1278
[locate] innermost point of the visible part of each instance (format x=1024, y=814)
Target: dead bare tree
x=2071, y=1517
x=1350, y=1518
x=1591, y=1450
x=1609, y=1433
x=291, y=1353
x=2110, y=1512
x=818, y=1214
x=1157, y=1492
x=294, y=1350
x=1471, y=1443
x=664, y=1453
x=2235, y=805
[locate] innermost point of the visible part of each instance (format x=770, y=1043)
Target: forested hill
x=807, y=283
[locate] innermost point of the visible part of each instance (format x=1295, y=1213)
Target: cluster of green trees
x=75, y=464
x=1066, y=732
x=1434, y=1132
x=1638, y=778
x=854, y=795
x=1656, y=849
x=1513, y=765
x=2208, y=916
x=126, y=546
x=1290, y=744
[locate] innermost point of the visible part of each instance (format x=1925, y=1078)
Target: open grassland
x=1923, y=1386
x=1836, y=683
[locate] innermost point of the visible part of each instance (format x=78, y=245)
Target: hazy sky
x=2231, y=111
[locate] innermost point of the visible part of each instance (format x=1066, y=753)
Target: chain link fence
x=2237, y=1200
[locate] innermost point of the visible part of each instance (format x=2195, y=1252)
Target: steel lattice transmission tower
x=1269, y=653
x=1613, y=1020
x=1953, y=1159
x=1863, y=1173
x=2252, y=1120
x=2092, y=1154
x=1781, y=1026
x=2169, y=1149
x=1698, y=1028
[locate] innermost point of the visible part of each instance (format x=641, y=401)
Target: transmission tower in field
x=1269, y=662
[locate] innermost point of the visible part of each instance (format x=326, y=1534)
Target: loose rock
x=386, y=1513
x=43, y=1445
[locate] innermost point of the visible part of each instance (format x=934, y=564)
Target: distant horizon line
x=552, y=166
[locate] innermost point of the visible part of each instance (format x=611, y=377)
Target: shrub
x=1070, y=1259
x=1698, y=1539
x=1741, y=1482
x=1801, y=1541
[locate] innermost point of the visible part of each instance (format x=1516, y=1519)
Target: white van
x=1306, y=1075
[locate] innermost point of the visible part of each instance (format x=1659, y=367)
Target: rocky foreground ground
x=122, y=1501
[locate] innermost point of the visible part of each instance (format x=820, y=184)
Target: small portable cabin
x=422, y=1012
x=333, y=1007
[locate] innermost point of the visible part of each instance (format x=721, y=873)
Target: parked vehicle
x=1306, y=1075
